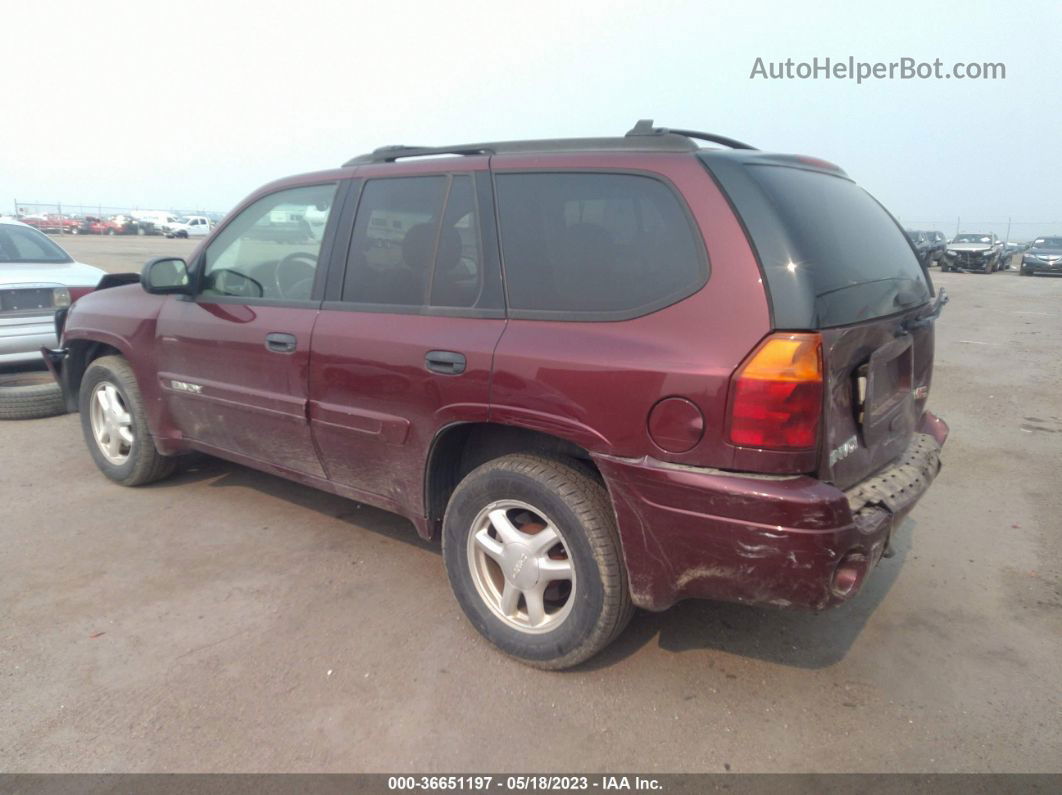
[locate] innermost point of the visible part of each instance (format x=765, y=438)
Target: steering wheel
x=294, y=271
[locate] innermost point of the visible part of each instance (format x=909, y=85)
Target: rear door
x=836, y=262
x=405, y=342
x=234, y=360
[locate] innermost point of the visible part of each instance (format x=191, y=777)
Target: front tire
x=533, y=556
x=115, y=425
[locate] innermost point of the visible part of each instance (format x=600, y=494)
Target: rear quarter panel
x=594, y=383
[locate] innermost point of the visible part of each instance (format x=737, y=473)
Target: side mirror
x=166, y=276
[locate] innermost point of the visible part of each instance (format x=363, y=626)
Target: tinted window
x=831, y=254
x=21, y=244
x=595, y=245
x=393, y=245
x=270, y=249
x=417, y=242
x=458, y=265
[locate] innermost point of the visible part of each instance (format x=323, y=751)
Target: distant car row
x=985, y=252
x=137, y=223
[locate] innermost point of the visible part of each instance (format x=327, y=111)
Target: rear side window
x=595, y=246
x=417, y=243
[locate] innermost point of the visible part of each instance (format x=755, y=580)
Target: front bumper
x=978, y=263
x=21, y=338
x=1042, y=267
x=794, y=541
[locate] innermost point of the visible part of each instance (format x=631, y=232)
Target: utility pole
x=958, y=225
x=1008, y=230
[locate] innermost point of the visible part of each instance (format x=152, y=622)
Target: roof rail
x=644, y=137
x=389, y=154
x=645, y=127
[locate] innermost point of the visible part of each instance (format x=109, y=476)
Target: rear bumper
x=795, y=541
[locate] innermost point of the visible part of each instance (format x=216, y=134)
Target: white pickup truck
x=189, y=226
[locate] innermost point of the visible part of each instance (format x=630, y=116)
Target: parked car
x=1012, y=247
x=921, y=245
x=189, y=226
x=91, y=225
x=1044, y=255
x=37, y=278
x=980, y=251
x=684, y=384
x=938, y=243
x=153, y=222
x=51, y=222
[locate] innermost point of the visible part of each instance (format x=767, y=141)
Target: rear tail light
x=60, y=297
x=776, y=395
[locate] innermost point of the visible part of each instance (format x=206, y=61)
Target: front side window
x=270, y=250
x=595, y=246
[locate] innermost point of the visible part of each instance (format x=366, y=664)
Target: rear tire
x=29, y=396
x=115, y=424
x=532, y=494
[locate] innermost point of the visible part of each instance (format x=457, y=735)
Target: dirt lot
x=122, y=254
x=227, y=620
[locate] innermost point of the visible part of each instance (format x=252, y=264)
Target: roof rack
x=643, y=137
x=645, y=127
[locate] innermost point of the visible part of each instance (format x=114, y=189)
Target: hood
x=1045, y=252
x=69, y=274
x=969, y=246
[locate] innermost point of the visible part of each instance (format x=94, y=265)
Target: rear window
x=831, y=254
x=595, y=246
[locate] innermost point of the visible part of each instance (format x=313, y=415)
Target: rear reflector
x=776, y=395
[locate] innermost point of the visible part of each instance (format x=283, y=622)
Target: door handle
x=277, y=342
x=445, y=362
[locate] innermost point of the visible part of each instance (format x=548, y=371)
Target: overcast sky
x=193, y=105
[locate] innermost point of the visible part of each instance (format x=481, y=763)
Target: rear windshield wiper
x=924, y=320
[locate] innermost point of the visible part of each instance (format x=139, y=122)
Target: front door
x=234, y=360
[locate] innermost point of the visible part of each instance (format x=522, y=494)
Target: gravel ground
x=226, y=620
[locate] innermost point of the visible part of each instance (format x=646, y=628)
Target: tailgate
x=877, y=377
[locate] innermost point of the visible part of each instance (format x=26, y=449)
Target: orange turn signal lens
x=786, y=357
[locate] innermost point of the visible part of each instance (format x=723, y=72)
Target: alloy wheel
x=521, y=566
x=112, y=424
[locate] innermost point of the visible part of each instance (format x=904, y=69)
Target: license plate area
x=26, y=300
x=888, y=405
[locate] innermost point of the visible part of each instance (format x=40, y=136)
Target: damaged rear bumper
x=690, y=532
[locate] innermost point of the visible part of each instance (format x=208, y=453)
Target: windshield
x=1047, y=242
x=22, y=244
x=972, y=239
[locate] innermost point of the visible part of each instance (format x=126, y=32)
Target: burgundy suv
x=609, y=372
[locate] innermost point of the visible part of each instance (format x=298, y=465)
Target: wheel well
x=459, y=449
x=80, y=354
